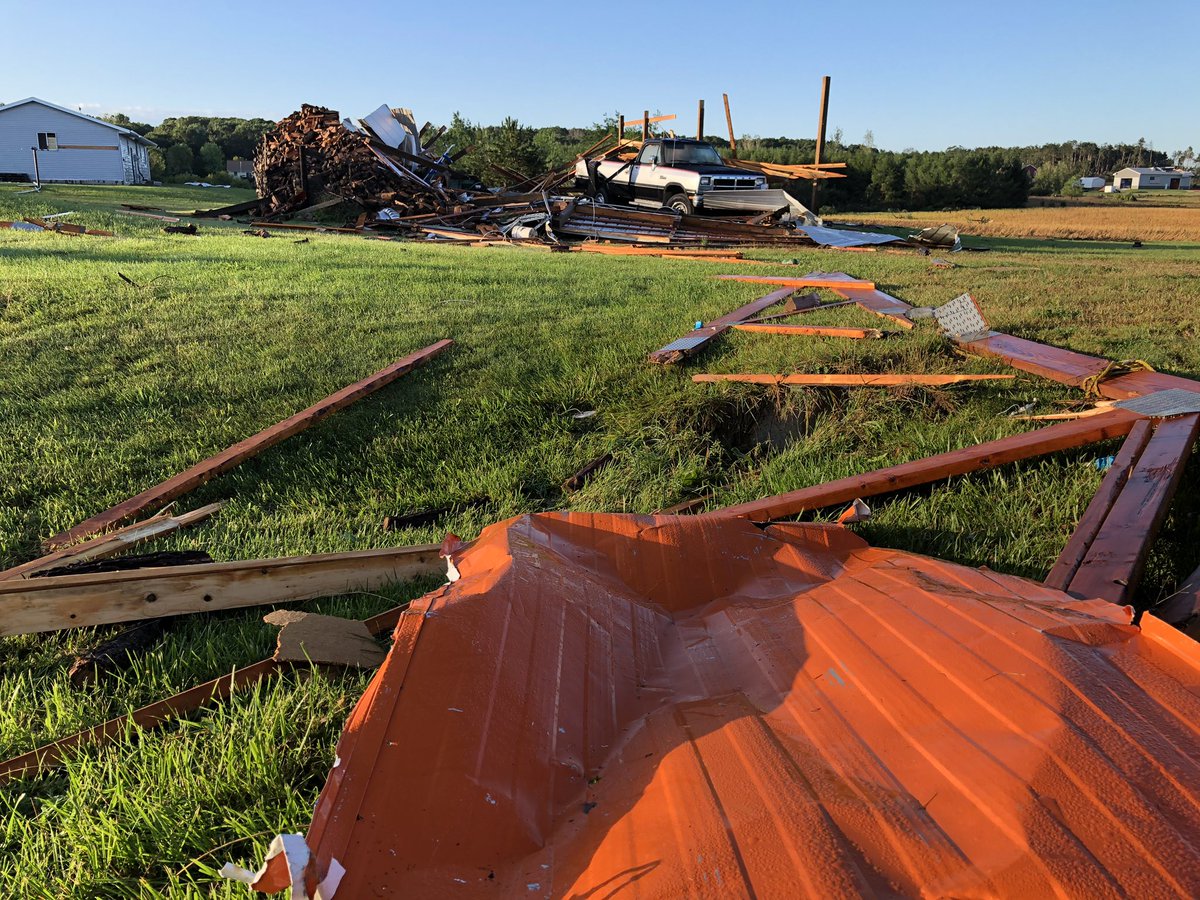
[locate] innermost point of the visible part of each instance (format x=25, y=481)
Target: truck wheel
x=679, y=203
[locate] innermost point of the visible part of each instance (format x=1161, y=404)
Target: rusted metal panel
x=694, y=706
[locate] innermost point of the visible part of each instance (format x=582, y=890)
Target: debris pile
x=379, y=164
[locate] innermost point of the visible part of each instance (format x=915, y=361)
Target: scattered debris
x=584, y=475
x=813, y=330
x=190, y=228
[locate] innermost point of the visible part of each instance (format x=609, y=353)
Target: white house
x=69, y=146
x=1091, y=183
x=1135, y=179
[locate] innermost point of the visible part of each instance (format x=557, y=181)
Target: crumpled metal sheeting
x=691, y=707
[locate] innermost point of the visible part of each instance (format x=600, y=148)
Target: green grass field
x=106, y=389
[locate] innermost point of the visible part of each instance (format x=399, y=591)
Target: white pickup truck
x=683, y=175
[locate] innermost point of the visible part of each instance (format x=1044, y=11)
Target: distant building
x=1138, y=179
x=1092, y=183
x=1030, y=171
x=69, y=146
x=243, y=168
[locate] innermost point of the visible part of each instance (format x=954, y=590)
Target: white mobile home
x=1138, y=179
x=1091, y=183
x=69, y=146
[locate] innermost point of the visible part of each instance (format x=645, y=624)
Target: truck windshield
x=691, y=155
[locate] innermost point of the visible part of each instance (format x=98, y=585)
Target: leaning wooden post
x=645, y=125
x=700, y=122
x=820, y=141
x=729, y=122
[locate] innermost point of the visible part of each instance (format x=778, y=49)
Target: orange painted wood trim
x=1089, y=525
x=988, y=455
x=815, y=330
x=1115, y=561
x=850, y=380
x=814, y=281
x=227, y=459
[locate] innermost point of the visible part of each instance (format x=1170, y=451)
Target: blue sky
x=916, y=73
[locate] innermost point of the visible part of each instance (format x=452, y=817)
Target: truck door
x=643, y=172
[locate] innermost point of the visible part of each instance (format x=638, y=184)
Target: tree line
x=194, y=147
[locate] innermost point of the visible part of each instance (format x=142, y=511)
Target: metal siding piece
x=1163, y=404
x=961, y=318
x=686, y=706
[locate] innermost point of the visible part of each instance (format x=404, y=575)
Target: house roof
x=1153, y=170
x=74, y=112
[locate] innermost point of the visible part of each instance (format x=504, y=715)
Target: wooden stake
x=820, y=139
x=645, y=124
x=700, y=122
x=729, y=122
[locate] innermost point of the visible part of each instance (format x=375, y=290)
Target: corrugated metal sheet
x=666, y=706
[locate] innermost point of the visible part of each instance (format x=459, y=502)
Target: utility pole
x=700, y=122
x=820, y=140
x=620, y=128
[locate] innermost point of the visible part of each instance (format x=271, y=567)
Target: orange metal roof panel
x=670, y=706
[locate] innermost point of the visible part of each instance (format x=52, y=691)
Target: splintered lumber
x=851, y=380
x=51, y=755
x=698, y=339
x=988, y=455
x=229, y=458
x=816, y=330
x=1116, y=558
x=114, y=542
x=1089, y=525
x=815, y=279
x=28, y=606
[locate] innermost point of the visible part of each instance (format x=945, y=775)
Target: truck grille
x=731, y=182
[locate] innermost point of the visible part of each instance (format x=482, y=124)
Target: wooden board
x=1073, y=553
x=115, y=542
x=813, y=330
x=851, y=380
x=50, y=755
x=1114, y=562
x=227, y=459
x=717, y=327
x=812, y=280
x=34, y=605
x=989, y=455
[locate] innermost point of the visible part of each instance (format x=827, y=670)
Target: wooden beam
x=1081, y=540
x=227, y=459
x=28, y=606
x=814, y=280
x=51, y=755
x=729, y=123
x=154, y=714
x=989, y=455
x=824, y=117
x=645, y=125
x=695, y=341
x=646, y=117
x=851, y=380
x=807, y=309
x=1117, y=556
x=700, y=122
x=115, y=542
x=814, y=330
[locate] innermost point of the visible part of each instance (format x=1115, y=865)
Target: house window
x=47, y=140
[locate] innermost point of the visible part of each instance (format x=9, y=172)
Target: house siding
x=19, y=128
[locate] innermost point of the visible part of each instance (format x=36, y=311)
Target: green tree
x=180, y=160
x=158, y=164
x=212, y=159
